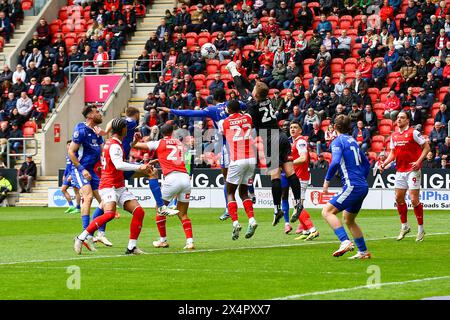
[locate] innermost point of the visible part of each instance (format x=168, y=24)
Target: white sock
x=233, y=70
x=252, y=221
x=189, y=240
x=420, y=228
x=404, y=226
x=286, y=224
x=313, y=229
x=100, y=234
x=235, y=223
x=83, y=235
x=131, y=244
x=163, y=239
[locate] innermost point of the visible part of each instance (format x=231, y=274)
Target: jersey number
x=103, y=161
x=269, y=115
x=356, y=154
x=238, y=130
x=173, y=153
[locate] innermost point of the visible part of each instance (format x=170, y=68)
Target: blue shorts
x=284, y=180
x=66, y=183
x=350, y=198
x=78, y=181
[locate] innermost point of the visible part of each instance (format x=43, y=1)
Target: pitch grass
x=36, y=250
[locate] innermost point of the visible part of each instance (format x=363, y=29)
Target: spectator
x=187, y=88
x=445, y=149
x=5, y=187
x=101, y=60
x=18, y=87
x=392, y=106
x=6, y=75
x=379, y=75
x=423, y=103
x=27, y=174
x=324, y=26
x=390, y=58
x=5, y=26
x=284, y=15
x=43, y=30
x=443, y=115
x=198, y=101
x=15, y=133
x=198, y=62
x=340, y=85
x=49, y=92
x=429, y=162
x=305, y=17
x=355, y=114
x=155, y=65
x=310, y=118
x=278, y=76
x=143, y=66
x=344, y=45
x=317, y=138
x=216, y=84
x=40, y=110
x=150, y=120
x=15, y=11
x=416, y=119
x=362, y=136
x=295, y=115
x=347, y=99
x=437, y=135
x=369, y=119
x=19, y=73
x=358, y=83
x=321, y=163
x=24, y=106
x=330, y=134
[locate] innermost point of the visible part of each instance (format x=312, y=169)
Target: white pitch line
x=317, y=293
x=203, y=250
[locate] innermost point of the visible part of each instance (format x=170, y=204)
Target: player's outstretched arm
x=116, y=155
x=187, y=113
x=105, y=132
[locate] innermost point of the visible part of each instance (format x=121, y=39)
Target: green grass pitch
x=36, y=251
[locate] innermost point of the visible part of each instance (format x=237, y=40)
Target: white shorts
x=241, y=171
x=303, y=187
x=408, y=180
x=119, y=196
x=176, y=184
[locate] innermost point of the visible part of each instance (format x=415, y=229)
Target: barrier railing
x=136, y=72
x=24, y=149
x=91, y=67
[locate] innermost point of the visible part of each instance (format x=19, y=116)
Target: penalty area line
x=376, y=286
x=309, y=243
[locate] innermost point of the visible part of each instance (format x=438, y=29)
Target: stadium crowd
x=367, y=59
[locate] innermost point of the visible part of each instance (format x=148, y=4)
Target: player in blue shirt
x=216, y=113
x=353, y=168
x=67, y=183
x=132, y=117
x=84, y=152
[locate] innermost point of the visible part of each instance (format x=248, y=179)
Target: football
x=209, y=51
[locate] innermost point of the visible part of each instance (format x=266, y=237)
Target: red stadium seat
x=372, y=155
x=191, y=39
x=247, y=49
x=212, y=66
x=385, y=130
x=203, y=37
x=373, y=93
x=204, y=93
x=313, y=156
x=377, y=146
x=28, y=132
x=199, y=80
x=427, y=129
x=27, y=5
x=327, y=156
x=325, y=124
x=388, y=122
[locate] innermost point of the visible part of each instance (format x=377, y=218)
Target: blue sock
x=285, y=208
x=71, y=203
x=85, y=221
x=226, y=197
x=361, y=244
x=341, y=234
x=78, y=206
x=97, y=213
x=251, y=189
x=156, y=191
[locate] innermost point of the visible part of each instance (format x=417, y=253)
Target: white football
x=209, y=51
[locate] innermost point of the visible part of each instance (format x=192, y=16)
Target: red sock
x=161, y=224
x=305, y=220
x=232, y=210
x=187, y=226
x=418, y=211
x=248, y=207
x=100, y=220
x=403, y=212
x=136, y=223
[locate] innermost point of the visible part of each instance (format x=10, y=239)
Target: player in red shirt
x=177, y=183
x=112, y=190
x=237, y=130
x=408, y=148
x=300, y=157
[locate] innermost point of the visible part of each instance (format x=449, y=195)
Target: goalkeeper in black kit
x=277, y=148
